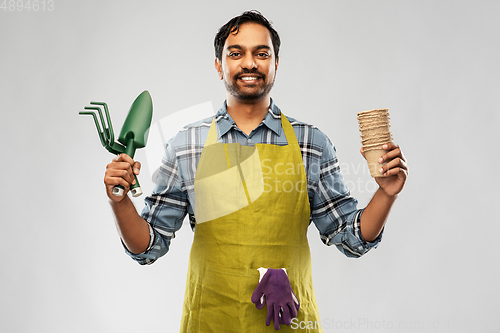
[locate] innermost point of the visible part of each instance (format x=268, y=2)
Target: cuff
x=357, y=231
x=143, y=258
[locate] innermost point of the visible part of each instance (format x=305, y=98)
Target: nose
x=248, y=61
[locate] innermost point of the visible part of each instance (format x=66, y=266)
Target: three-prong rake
x=134, y=133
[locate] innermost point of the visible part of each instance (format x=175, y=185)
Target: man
x=251, y=180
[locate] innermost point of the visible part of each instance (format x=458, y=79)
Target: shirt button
x=249, y=141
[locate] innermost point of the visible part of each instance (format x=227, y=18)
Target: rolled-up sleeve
x=335, y=212
x=164, y=210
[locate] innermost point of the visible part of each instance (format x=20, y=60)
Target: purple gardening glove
x=275, y=290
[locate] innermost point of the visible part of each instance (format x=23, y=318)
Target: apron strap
x=212, y=134
x=289, y=132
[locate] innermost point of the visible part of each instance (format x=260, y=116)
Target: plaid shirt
x=333, y=210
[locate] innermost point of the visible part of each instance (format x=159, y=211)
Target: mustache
x=249, y=71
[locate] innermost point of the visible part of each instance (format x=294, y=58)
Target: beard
x=235, y=90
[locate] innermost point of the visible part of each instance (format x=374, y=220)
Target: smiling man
x=251, y=181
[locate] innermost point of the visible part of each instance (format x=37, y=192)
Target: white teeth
x=248, y=78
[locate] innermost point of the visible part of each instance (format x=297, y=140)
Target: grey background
x=434, y=64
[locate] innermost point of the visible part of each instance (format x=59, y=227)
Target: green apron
x=252, y=210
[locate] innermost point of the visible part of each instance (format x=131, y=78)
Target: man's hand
x=121, y=171
x=395, y=171
x=133, y=229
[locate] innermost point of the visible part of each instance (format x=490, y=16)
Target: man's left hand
x=395, y=171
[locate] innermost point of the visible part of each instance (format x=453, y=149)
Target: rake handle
x=135, y=189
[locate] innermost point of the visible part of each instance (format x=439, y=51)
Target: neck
x=248, y=115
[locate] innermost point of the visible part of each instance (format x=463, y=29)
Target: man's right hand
x=120, y=171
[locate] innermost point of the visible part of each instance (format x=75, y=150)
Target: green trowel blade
x=138, y=121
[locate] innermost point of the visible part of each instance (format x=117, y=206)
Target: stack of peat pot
x=375, y=132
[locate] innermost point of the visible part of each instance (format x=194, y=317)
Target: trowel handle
x=136, y=190
x=118, y=190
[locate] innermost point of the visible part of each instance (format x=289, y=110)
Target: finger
x=287, y=316
x=276, y=317
x=113, y=178
x=137, y=167
x=295, y=300
x=269, y=314
x=119, y=173
x=127, y=167
x=389, y=146
x=396, y=171
x=362, y=152
x=126, y=162
x=393, y=152
x=402, y=155
x=293, y=309
x=257, y=298
x=261, y=303
x=119, y=165
x=258, y=292
x=395, y=163
x=121, y=169
x=124, y=158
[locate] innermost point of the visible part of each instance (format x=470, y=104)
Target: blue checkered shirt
x=333, y=210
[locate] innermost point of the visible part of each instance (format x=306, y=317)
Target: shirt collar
x=224, y=121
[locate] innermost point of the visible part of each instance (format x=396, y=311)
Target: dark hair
x=233, y=26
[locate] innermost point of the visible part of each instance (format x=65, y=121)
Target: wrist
x=386, y=195
x=117, y=204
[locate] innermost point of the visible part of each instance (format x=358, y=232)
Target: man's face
x=248, y=65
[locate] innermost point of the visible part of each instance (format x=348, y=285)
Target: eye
x=234, y=54
x=263, y=55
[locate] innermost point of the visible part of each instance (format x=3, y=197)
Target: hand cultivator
x=134, y=133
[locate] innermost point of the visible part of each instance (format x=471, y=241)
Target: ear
x=218, y=67
x=277, y=63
